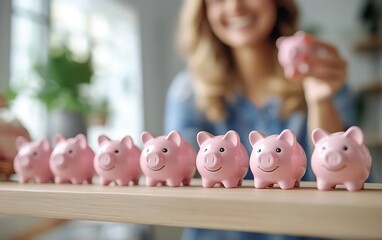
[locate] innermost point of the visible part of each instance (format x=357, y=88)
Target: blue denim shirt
x=181, y=114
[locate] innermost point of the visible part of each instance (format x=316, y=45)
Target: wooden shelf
x=369, y=43
x=373, y=140
x=304, y=211
x=371, y=89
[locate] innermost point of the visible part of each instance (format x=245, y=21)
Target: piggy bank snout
x=24, y=161
x=212, y=160
x=267, y=161
x=106, y=160
x=59, y=160
x=154, y=160
x=333, y=159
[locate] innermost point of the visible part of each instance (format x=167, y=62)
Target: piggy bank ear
x=145, y=137
x=318, y=134
x=288, y=136
x=20, y=142
x=102, y=139
x=233, y=137
x=356, y=134
x=58, y=138
x=44, y=144
x=175, y=137
x=202, y=137
x=128, y=141
x=81, y=140
x=279, y=41
x=255, y=136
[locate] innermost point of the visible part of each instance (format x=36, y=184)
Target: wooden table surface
x=303, y=211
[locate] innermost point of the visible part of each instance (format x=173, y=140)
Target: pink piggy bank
x=117, y=161
x=32, y=161
x=72, y=160
x=277, y=159
x=167, y=159
x=221, y=159
x=340, y=158
x=293, y=54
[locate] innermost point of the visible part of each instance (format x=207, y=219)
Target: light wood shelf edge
x=305, y=211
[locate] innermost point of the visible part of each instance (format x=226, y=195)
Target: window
x=106, y=29
x=29, y=43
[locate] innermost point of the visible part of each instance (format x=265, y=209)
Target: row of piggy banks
x=338, y=158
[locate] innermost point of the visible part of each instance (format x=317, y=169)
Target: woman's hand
x=326, y=73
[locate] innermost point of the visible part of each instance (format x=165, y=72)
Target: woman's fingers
x=322, y=67
x=324, y=63
x=323, y=48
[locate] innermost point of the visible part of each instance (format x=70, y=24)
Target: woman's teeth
x=239, y=22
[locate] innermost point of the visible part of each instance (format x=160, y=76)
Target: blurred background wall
x=5, y=42
x=132, y=44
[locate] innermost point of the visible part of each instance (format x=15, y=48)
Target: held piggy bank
x=277, y=159
x=293, y=54
x=117, y=161
x=167, y=159
x=340, y=158
x=72, y=160
x=221, y=159
x=32, y=161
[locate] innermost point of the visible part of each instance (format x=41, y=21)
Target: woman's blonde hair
x=211, y=63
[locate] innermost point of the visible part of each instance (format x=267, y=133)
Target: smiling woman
x=235, y=82
x=241, y=24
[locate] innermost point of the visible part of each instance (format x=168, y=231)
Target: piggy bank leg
x=287, y=184
x=230, y=183
x=206, y=183
x=262, y=184
x=41, y=179
x=174, y=182
x=77, y=181
x=22, y=179
x=59, y=180
x=354, y=185
x=186, y=182
x=151, y=182
x=136, y=181
x=297, y=184
x=104, y=182
x=324, y=185
x=240, y=182
x=123, y=182
x=89, y=180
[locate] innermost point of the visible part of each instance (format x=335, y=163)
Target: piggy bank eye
x=34, y=154
x=345, y=148
x=278, y=150
x=147, y=150
x=323, y=148
x=164, y=150
x=70, y=151
x=221, y=149
x=205, y=150
x=258, y=150
x=116, y=151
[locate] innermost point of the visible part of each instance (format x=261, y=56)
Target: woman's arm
x=326, y=77
x=324, y=115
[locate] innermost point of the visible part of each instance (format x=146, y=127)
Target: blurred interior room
x=104, y=66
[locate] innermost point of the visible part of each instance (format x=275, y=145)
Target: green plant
x=61, y=79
